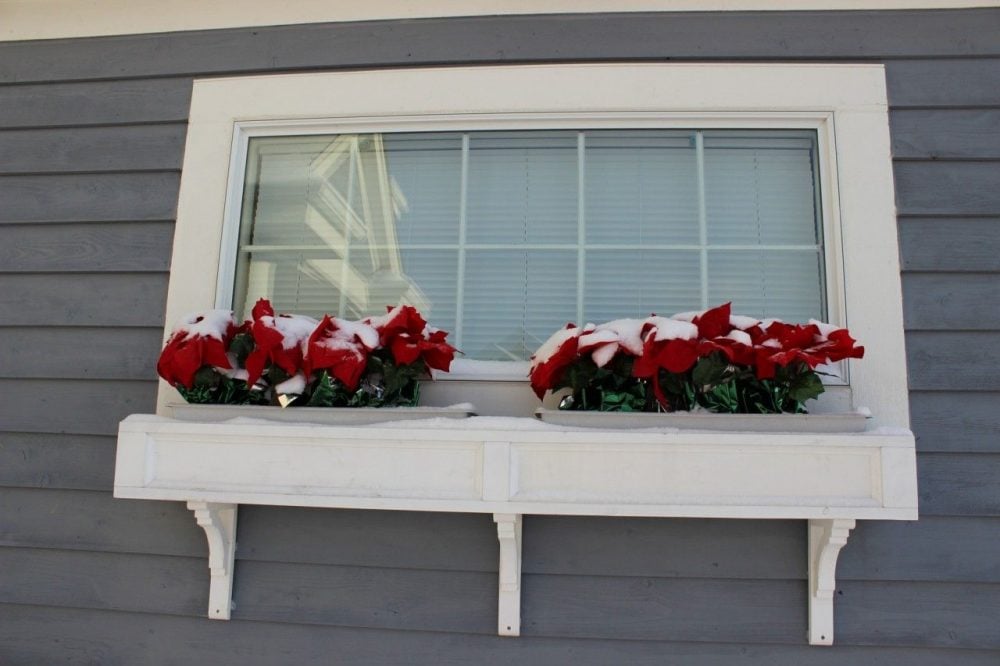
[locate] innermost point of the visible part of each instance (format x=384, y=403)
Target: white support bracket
x=219, y=522
x=509, y=611
x=826, y=538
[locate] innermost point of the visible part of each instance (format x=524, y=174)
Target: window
x=796, y=155
x=501, y=237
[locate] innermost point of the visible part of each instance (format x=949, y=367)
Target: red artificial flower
x=278, y=339
x=603, y=342
x=839, y=345
x=406, y=335
x=341, y=348
x=714, y=323
x=668, y=344
x=736, y=346
x=201, y=339
x=780, y=344
x=397, y=320
x=549, y=363
x=437, y=354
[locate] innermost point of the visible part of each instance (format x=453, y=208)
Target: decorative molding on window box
x=509, y=467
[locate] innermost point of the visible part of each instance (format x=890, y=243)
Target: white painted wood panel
x=514, y=466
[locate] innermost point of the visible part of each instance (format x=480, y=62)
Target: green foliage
x=241, y=346
x=386, y=384
x=713, y=384
x=718, y=386
x=324, y=391
x=212, y=388
x=608, y=389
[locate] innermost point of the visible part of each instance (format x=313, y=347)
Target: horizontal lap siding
x=89, y=197
x=116, y=638
x=122, y=247
x=76, y=149
x=83, y=104
x=708, y=35
x=92, y=133
x=47, y=460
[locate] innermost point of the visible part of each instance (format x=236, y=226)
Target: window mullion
x=699, y=153
x=345, y=269
x=581, y=223
x=462, y=208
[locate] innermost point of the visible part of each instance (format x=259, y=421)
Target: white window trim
x=845, y=104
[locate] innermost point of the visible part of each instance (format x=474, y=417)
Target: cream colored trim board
x=54, y=19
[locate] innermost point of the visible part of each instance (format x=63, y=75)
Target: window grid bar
x=699, y=156
x=345, y=271
x=581, y=222
x=462, y=247
x=540, y=246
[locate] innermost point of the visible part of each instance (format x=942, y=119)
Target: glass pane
x=637, y=283
x=491, y=237
x=522, y=187
x=759, y=188
x=515, y=299
x=641, y=187
x=782, y=284
x=426, y=175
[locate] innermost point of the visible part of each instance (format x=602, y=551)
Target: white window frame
x=845, y=104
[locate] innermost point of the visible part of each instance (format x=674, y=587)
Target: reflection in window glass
x=502, y=237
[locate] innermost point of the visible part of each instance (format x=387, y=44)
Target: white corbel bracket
x=219, y=522
x=509, y=611
x=826, y=538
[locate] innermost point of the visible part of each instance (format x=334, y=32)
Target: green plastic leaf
x=806, y=386
x=241, y=346
x=709, y=370
x=323, y=392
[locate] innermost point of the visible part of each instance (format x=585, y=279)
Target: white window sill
x=509, y=467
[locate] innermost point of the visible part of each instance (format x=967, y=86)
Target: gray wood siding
x=91, y=142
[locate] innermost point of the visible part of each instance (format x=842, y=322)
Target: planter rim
x=843, y=422
x=320, y=415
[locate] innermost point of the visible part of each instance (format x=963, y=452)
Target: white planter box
x=515, y=466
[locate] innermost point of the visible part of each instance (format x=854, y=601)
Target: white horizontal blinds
x=305, y=220
x=642, y=253
x=763, y=226
x=503, y=237
x=521, y=261
x=334, y=228
x=426, y=173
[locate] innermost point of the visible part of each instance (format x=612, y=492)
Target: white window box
x=509, y=467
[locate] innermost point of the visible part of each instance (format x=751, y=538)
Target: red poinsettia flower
x=431, y=346
x=549, y=363
x=200, y=339
x=668, y=344
x=342, y=348
x=603, y=342
x=737, y=346
x=836, y=343
x=397, y=320
x=714, y=323
x=278, y=339
x=406, y=335
x=779, y=344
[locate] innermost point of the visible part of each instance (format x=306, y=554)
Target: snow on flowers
x=296, y=360
x=711, y=360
